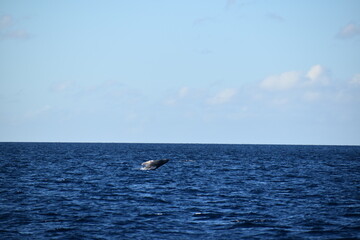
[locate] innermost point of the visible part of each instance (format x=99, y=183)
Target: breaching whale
x=153, y=164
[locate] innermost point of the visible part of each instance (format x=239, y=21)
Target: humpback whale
x=153, y=164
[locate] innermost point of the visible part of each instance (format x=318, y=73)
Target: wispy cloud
x=61, y=86
x=186, y=96
x=17, y=34
x=282, y=81
x=10, y=30
x=355, y=80
x=5, y=21
x=38, y=112
x=183, y=92
x=181, y=95
x=348, y=31
x=223, y=96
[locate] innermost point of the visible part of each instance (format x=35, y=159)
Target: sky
x=158, y=71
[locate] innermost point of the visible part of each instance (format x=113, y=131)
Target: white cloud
x=355, y=80
x=318, y=74
x=349, y=31
x=314, y=72
x=223, y=96
x=296, y=86
x=183, y=92
x=283, y=81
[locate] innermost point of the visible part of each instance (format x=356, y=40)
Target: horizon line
x=209, y=143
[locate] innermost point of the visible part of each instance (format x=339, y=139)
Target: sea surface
x=205, y=191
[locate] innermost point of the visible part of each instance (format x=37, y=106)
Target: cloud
x=35, y=113
x=8, y=29
x=283, y=81
x=290, y=88
x=61, y=86
x=318, y=74
x=183, y=92
x=223, y=96
x=349, y=31
x=355, y=80
x=314, y=72
x=5, y=21
x=17, y=34
x=180, y=95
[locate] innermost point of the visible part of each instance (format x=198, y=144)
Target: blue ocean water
x=97, y=191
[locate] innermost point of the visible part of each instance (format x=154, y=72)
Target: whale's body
x=153, y=164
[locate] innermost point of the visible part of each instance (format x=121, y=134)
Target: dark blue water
x=96, y=191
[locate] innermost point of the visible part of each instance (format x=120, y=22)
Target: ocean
x=205, y=191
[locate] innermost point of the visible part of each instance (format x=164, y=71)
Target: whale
x=153, y=164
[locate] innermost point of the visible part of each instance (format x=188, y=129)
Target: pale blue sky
x=222, y=71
